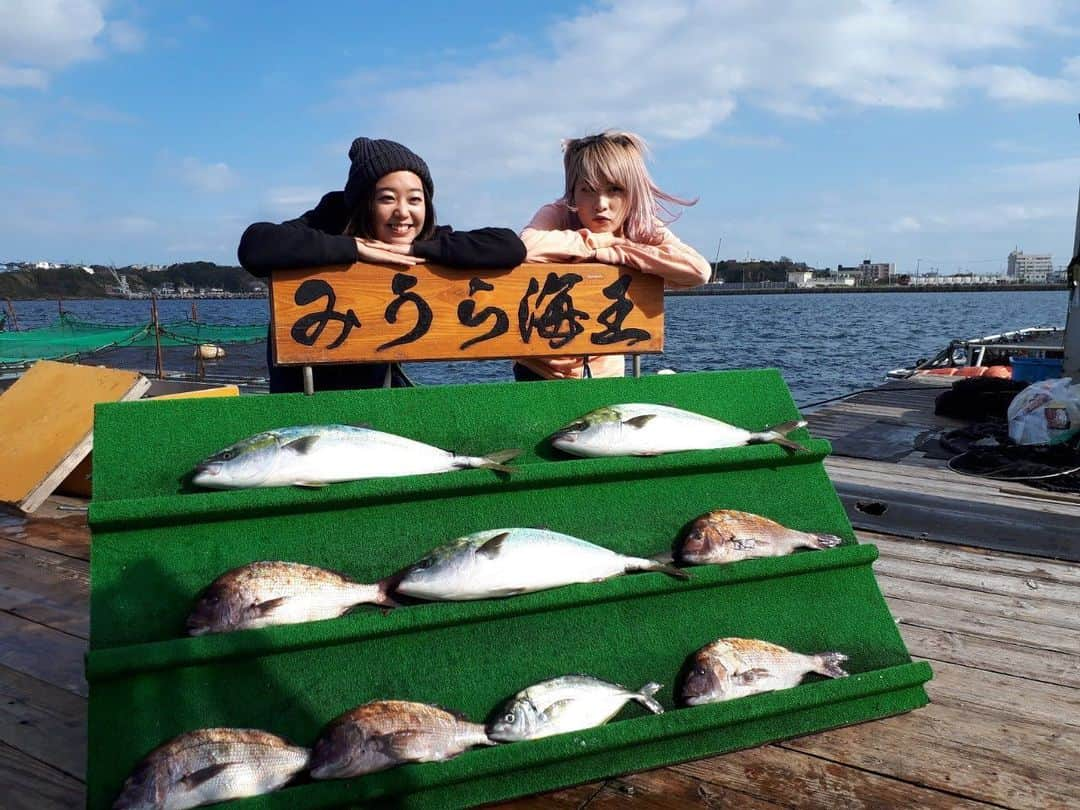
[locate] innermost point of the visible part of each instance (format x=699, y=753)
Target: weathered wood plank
x=794, y=779
x=45, y=587
x=42, y=653
x=69, y=536
x=1039, y=611
x=575, y=797
x=1038, y=569
x=26, y=784
x=669, y=789
x=1010, y=763
x=1007, y=696
x=993, y=655
x=44, y=721
x=1014, y=631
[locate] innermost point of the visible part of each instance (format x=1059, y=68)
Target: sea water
x=825, y=345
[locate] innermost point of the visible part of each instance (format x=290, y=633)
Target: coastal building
x=959, y=279
x=1034, y=267
x=801, y=278
x=868, y=272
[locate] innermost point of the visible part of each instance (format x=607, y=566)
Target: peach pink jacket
x=550, y=238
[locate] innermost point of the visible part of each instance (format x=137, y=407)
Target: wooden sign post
x=366, y=313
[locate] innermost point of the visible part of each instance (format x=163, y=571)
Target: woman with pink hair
x=610, y=212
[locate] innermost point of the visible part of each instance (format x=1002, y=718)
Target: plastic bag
x=1046, y=412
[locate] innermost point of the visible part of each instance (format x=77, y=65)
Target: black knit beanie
x=372, y=159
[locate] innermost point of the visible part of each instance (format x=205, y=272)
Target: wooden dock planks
x=1001, y=730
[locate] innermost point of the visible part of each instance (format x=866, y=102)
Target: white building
x=868, y=272
x=800, y=278
x=1030, y=266
x=963, y=279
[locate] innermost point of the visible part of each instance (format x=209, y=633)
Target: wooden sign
x=373, y=313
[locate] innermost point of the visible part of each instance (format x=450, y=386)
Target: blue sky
x=942, y=134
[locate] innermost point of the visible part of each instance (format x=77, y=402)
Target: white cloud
x=209, y=177
x=905, y=225
x=39, y=37
x=680, y=71
x=125, y=37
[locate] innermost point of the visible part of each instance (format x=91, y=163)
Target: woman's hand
x=372, y=250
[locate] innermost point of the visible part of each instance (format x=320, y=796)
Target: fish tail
x=828, y=663
x=825, y=540
x=379, y=594
x=644, y=696
x=664, y=557
x=497, y=460
x=657, y=564
x=777, y=434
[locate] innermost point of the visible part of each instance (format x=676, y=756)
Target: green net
x=71, y=337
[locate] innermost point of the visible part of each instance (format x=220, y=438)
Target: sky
x=934, y=135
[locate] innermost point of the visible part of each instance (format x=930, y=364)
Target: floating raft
x=156, y=544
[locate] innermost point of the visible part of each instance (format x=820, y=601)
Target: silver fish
x=385, y=733
x=211, y=765
x=727, y=535
x=316, y=455
x=731, y=668
x=504, y=562
x=635, y=429
x=568, y=703
x=267, y=593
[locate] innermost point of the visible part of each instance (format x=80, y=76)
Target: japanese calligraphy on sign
x=371, y=313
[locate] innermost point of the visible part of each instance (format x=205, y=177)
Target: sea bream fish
x=211, y=765
x=506, y=562
x=385, y=733
x=731, y=668
x=636, y=429
x=728, y=535
x=567, y=703
x=272, y=592
x=316, y=455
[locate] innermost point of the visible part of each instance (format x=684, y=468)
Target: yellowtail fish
x=567, y=703
x=505, y=562
x=271, y=592
x=385, y=733
x=316, y=455
x=727, y=535
x=211, y=765
x=731, y=668
x=635, y=429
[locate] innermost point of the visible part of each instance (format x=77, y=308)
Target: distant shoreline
x=724, y=289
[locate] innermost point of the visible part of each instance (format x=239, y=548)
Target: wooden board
x=78, y=480
x=47, y=419
x=371, y=313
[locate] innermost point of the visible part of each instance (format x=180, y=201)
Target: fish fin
x=640, y=421
x=490, y=549
x=309, y=484
x=644, y=696
x=362, y=425
x=743, y=543
x=664, y=557
x=497, y=460
x=193, y=780
x=269, y=606
x=302, y=445
x=777, y=434
x=828, y=663
x=555, y=709
x=398, y=744
x=647, y=453
x=750, y=676
x=826, y=540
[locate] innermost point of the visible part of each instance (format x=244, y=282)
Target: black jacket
x=315, y=239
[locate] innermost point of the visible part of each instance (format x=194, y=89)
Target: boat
x=992, y=355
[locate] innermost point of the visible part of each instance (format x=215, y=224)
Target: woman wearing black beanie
x=384, y=215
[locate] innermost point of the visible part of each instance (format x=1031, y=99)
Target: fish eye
x=228, y=455
x=509, y=718
x=699, y=670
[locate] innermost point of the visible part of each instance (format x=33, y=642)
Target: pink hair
x=619, y=158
